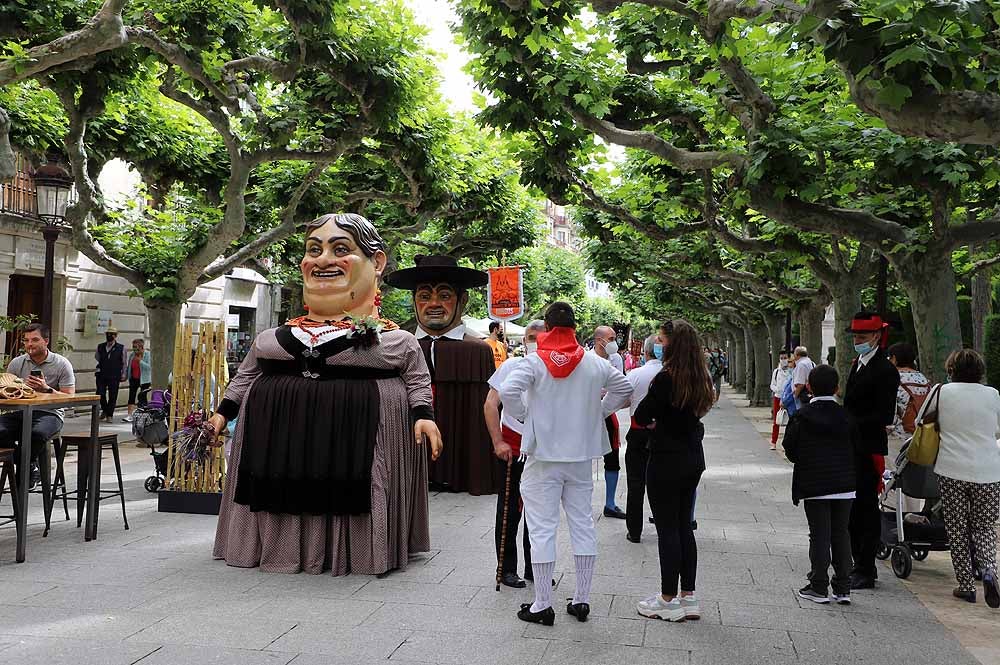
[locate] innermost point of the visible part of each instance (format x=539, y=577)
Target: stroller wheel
x=902, y=563
x=920, y=555
x=882, y=553
x=152, y=484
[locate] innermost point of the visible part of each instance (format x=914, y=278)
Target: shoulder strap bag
x=926, y=441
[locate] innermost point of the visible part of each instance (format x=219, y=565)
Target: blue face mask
x=862, y=349
x=658, y=351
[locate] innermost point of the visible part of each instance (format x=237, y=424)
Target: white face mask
x=530, y=347
x=611, y=348
x=783, y=364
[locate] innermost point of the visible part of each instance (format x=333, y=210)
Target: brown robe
x=459, y=376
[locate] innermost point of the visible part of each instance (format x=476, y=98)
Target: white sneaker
x=841, y=599
x=657, y=608
x=127, y=419
x=691, y=608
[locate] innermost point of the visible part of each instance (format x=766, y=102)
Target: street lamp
x=53, y=187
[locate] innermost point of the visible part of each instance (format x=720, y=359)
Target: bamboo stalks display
x=199, y=381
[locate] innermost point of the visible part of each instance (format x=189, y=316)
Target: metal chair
x=59, y=491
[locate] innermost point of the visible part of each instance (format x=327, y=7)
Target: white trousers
x=546, y=485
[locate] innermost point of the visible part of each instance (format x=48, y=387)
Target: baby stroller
x=149, y=425
x=910, y=535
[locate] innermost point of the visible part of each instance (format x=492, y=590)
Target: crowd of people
x=343, y=421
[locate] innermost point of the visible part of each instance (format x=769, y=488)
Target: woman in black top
x=680, y=395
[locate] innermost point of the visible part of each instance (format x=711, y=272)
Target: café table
x=54, y=401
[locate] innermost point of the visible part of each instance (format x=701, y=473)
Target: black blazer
x=821, y=440
x=871, y=400
x=678, y=433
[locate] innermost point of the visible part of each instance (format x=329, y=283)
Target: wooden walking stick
x=503, y=528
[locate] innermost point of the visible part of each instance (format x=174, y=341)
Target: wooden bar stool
x=80, y=443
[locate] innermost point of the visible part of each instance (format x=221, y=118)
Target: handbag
x=926, y=441
x=781, y=419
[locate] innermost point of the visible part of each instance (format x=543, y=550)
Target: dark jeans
x=108, y=390
x=866, y=521
x=829, y=539
x=44, y=426
x=135, y=388
x=514, y=511
x=671, y=488
x=636, y=458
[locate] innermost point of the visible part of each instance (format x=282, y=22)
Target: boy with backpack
x=820, y=441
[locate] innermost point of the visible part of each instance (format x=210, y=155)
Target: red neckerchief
x=560, y=351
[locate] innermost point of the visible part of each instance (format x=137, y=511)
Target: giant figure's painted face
x=439, y=307
x=337, y=277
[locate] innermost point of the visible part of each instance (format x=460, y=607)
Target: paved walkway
x=154, y=595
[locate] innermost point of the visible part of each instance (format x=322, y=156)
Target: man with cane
x=505, y=433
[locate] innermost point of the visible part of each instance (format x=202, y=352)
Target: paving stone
x=604, y=630
x=711, y=641
x=420, y=594
x=346, y=643
x=81, y=624
x=93, y=597
x=575, y=653
x=785, y=618
x=13, y=592
x=837, y=649
x=449, y=649
x=216, y=602
x=341, y=611
x=50, y=651
x=173, y=654
x=234, y=632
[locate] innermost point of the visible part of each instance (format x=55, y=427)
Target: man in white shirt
x=557, y=392
x=637, y=451
x=800, y=376
x=505, y=431
x=606, y=347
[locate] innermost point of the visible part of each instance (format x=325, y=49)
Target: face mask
x=658, y=351
x=783, y=364
x=530, y=347
x=611, y=348
x=862, y=349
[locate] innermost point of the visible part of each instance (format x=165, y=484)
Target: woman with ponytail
x=680, y=395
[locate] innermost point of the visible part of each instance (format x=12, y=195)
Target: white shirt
x=841, y=495
x=306, y=337
x=639, y=379
x=803, y=366
x=969, y=415
x=496, y=382
x=456, y=333
x=779, y=379
x=863, y=360
x=564, y=418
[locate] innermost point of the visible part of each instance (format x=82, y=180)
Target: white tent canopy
x=481, y=328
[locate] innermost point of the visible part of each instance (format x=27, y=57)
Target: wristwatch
x=50, y=390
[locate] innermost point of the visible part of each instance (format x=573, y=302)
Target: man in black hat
x=460, y=365
x=870, y=398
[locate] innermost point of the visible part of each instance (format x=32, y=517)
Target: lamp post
x=53, y=186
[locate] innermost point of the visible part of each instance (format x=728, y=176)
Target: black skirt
x=309, y=441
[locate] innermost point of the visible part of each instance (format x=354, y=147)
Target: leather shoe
x=651, y=520
x=579, y=610
x=633, y=539
x=862, y=582
x=991, y=590
x=546, y=617
x=513, y=581
x=615, y=512
x=967, y=596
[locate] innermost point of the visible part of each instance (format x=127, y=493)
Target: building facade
x=560, y=232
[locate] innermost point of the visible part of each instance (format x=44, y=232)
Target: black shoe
x=862, y=582
x=579, y=610
x=694, y=525
x=651, y=520
x=513, y=581
x=35, y=477
x=967, y=596
x=991, y=590
x=546, y=617
x=615, y=512
x=633, y=539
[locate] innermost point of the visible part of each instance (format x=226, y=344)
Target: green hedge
x=991, y=343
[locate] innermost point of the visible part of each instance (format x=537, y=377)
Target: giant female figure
x=327, y=469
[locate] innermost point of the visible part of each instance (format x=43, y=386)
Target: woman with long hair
x=680, y=395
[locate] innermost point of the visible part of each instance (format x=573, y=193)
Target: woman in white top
x=968, y=468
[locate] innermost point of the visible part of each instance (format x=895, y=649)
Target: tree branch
x=685, y=160
x=974, y=233
x=981, y=265
x=104, y=32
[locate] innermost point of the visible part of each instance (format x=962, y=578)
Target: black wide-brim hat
x=436, y=269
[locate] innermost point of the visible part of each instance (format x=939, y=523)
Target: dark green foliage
x=991, y=344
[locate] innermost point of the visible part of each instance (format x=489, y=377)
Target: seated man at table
x=56, y=375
